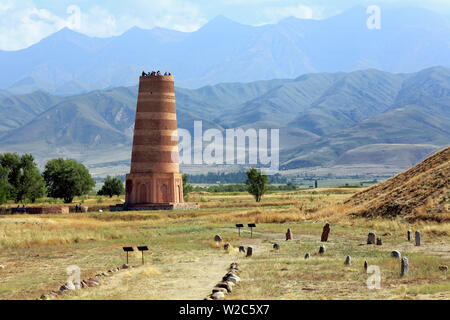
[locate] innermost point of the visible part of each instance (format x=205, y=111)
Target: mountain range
x=363, y=118
x=67, y=62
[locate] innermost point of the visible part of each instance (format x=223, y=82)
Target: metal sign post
x=251, y=226
x=142, y=249
x=239, y=226
x=128, y=249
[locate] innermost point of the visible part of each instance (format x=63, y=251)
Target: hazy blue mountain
x=4, y=93
x=17, y=110
x=403, y=125
x=400, y=155
x=106, y=117
x=225, y=51
x=325, y=119
x=429, y=87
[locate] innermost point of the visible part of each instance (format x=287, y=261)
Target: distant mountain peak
x=67, y=35
x=224, y=50
x=221, y=22
x=66, y=32
x=221, y=19
x=135, y=29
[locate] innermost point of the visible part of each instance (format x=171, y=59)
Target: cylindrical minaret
x=155, y=177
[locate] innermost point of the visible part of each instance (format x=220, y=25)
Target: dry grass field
x=185, y=263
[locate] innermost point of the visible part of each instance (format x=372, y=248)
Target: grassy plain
x=185, y=263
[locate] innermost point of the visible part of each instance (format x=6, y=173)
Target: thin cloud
x=23, y=24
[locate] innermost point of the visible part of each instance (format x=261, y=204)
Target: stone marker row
x=416, y=236
x=227, y=246
x=371, y=238
x=90, y=282
x=225, y=286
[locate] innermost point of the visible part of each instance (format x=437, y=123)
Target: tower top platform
x=155, y=77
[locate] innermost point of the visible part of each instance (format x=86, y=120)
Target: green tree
x=4, y=185
x=256, y=183
x=187, y=188
x=32, y=184
x=11, y=163
x=24, y=178
x=66, y=179
x=112, y=186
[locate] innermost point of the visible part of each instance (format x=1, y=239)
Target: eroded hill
x=421, y=192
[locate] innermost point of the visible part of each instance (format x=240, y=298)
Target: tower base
x=155, y=206
x=148, y=189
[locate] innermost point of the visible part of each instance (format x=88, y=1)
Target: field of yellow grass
x=185, y=263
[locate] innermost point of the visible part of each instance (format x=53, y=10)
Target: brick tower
x=155, y=181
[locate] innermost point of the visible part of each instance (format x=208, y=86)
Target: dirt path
x=183, y=277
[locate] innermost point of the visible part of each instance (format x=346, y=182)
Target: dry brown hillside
x=421, y=192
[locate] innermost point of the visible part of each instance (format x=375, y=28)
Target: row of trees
x=20, y=179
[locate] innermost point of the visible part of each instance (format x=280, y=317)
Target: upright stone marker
x=276, y=246
x=371, y=238
x=307, y=255
x=249, y=251
x=379, y=241
x=409, y=235
x=396, y=254
x=217, y=238
x=325, y=232
x=242, y=249
x=289, y=235
x=365, y=265
x=417, y=236
x=322, y=249
x=348, y=260
x=405, y=267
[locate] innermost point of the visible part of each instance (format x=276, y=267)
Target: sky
x=25, y=22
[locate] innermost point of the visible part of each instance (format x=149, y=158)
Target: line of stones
x=225, y=286
x=90, y=282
